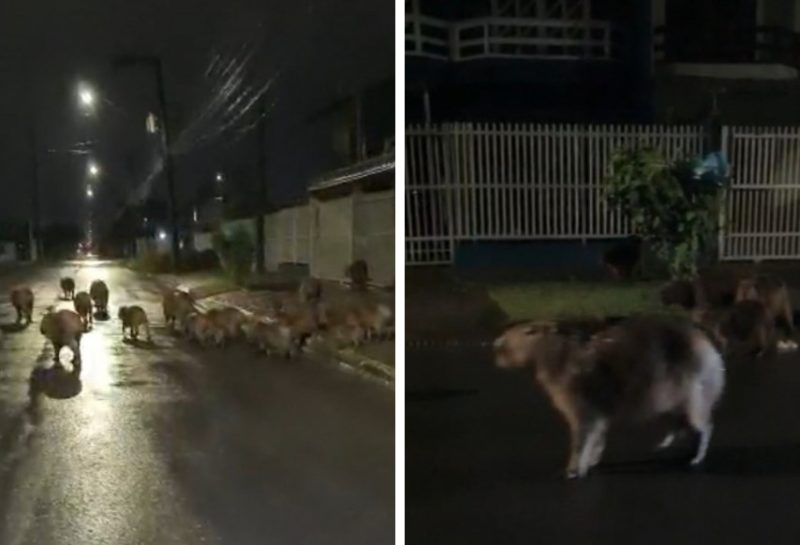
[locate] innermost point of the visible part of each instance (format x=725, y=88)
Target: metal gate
x=762, y=207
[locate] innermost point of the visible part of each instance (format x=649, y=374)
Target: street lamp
x=89, y=193
x=220, y=178
x=86, y=96
x=93, y=169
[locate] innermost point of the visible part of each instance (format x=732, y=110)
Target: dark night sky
x=320, y=49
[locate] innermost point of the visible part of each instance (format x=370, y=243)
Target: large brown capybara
x=64, y=328
x=22, y=300
x=133, y=319
x=83, y=306
x=99, y=293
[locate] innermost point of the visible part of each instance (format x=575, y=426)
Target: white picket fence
x=762, y=219
x=518, y=182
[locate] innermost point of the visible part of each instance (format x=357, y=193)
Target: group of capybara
x=743, y=318
x=64, y=327
x=646, y=367
x=296, y=319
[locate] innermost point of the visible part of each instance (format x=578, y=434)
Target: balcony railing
x=754, y=45
x=503, y=37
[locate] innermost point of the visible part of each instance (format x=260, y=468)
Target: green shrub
x=677, y=220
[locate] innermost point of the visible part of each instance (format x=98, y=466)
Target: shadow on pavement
x=144, y=345
x=14, y=327
x=55, y=382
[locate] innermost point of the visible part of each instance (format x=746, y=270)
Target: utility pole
x=154, y=63
x=262, y=171
x=35, y=226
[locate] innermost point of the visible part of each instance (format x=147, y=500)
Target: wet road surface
x=171, y=444
x=485, y=455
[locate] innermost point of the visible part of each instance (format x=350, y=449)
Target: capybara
x=99, y=293
x=303, y=323
x=63, y=328
x=358, y=273
x=773, y=293
x=68, y=287
x=22, y=300
x=310, y=291
x=134, y=318
x=200, y=328
x=749, y=327
x=83, y=306
x=176, y=305
x=270, y=337
x=623, y=257
x=642, y=367
x=228, y=321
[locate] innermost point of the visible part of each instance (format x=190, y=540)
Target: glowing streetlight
x=220, y=177
x=86, y=96
x=93, y=169
x=162, y=235
x=89, y=193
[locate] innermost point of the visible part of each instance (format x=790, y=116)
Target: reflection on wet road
x=168, y=444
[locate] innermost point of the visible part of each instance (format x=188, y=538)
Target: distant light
x=194, y=214
x=152, y=123
x=86, y=96
x=89, y=192
x=94, y=169
x=219, y=177
x=162, y=235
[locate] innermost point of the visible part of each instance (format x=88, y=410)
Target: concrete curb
x=348, y=360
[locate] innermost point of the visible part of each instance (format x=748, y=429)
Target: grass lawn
x=551, y=300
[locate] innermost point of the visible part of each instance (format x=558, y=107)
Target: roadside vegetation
x=554, y=300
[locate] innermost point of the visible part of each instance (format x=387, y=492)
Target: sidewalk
x=375, y=360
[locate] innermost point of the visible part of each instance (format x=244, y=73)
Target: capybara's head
x=516, y=346
x=45, y=325
x=123, y=313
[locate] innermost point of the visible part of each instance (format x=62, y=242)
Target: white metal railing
x=507, y=37
x=763, y=203
x=518, y=182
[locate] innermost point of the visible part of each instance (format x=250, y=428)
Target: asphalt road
x=174, y=445
x=486, y=453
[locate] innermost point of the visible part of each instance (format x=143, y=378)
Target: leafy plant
x=236, y=252
x=672, y=208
